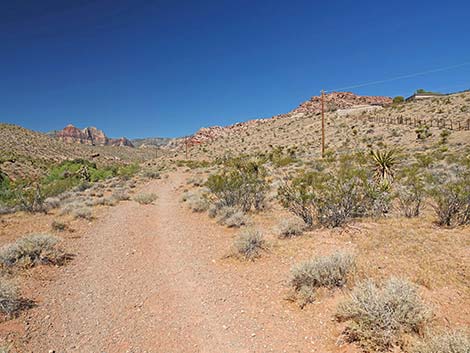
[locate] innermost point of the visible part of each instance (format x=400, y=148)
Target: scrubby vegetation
x=322, y=271
x=447, y=342
x=332, y=198
x=32, y=250
x=9, y=297
x=249, y=244
x=145, y=199
x=241, y=184
x=379, y=316
x=291, y=227
x=31, y=195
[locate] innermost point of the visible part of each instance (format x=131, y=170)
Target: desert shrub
x=379, y=316
x=322, y=271
x=423, y=132
x=128, y=171
x=145, y=199
x=281, y=158
x=447, y=342
x=151, y=174
x=333, y=198
x=83, y=212
x=121, y=195
x=411, y=193
x=9, y=297
x=52, y=202
x=241, y=184
x=451, y=202
x=232, y=217
x=291, y=227
x=444, y=136
x=58, y=226
x=31, y=199
x=398, y=99
x=199, y=204
x=249, y=244
x=212, y=210
x=32, y=250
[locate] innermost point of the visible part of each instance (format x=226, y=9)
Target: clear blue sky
x=144, y=68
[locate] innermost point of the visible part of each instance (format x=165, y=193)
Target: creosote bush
x=241, y=184
x=249, y=244
x=451, y=202
x=411, y=193
x=447, y=342
x=379, y=316
x=322, y=271
x=145, y=199
x=333, y=198
x=32, y=250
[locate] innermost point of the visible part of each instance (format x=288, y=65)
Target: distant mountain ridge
x=89, y=136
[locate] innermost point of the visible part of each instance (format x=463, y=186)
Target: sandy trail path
x=153, y=279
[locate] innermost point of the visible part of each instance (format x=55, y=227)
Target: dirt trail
x=153, y=279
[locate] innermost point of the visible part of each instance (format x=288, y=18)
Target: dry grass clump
x=232, y=217
x=291, y=227
x=59, y=226
x=249, y=244
x=32, y=250
x=9, y=297
x=196, y=200
x=151, y=174
x=83, y=213
x=322, y=271
x=145, y=199
x=447, y=342
x=198, y=204
x=120, y=195
x=379, y=316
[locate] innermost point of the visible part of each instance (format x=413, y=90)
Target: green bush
x=241, y=184
x=333, y=198
x=411, y=193
x=398, y=99
x=451, y=201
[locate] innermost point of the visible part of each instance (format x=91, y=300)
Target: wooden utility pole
x=322, y=123
x=186, y=144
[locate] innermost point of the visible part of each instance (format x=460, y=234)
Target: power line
x=370, y=83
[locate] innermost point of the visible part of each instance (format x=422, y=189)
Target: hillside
x=26, y=153
x=349, y=126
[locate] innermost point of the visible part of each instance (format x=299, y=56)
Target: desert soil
x=155, y=278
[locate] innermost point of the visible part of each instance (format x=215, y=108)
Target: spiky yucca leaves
x=384, y=163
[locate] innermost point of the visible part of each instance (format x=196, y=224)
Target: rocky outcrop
x=89, y=136
x=340, y=100
x=332, y=101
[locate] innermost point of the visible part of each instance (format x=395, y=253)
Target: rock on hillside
x=89, y=136
x=333, y=101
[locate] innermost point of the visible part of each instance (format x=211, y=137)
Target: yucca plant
x=384, y=163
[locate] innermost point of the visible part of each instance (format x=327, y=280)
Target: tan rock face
x=90, y=136
x=333, y=101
